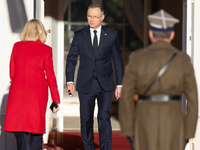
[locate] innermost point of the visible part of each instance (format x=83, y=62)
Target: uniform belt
x=160, y=97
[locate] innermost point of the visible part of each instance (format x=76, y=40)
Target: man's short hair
x=161, y=35
x=97, y=6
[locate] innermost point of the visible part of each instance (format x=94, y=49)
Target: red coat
x=31, y=72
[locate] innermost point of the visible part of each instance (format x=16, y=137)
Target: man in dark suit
x=97, y=47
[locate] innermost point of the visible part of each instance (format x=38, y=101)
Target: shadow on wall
x=17, y=15
x=7, y=140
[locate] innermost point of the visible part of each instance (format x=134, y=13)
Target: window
x=115, y=18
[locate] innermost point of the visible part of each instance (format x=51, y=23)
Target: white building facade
x=14, y=14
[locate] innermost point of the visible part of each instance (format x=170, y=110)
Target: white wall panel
x=196, y=61
x=7, y=39
x=56, y=41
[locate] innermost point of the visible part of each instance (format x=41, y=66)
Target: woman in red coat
x=31, y=73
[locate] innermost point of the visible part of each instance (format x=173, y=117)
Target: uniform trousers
x=29, y=141
x=87, y=104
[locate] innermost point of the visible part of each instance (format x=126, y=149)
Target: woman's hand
x=55, y=109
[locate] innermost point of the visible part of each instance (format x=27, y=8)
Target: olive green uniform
x=158, y=125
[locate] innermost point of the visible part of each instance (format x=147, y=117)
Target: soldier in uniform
x=157, y=120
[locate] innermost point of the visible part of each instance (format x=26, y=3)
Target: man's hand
x=118, y=92
x=55, y=109
x=70, y=88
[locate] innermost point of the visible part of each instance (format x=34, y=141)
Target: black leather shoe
x=185, y=142
x=131, y=140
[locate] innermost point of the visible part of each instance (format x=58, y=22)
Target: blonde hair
x=33, y=31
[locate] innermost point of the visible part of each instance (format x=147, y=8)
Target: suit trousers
x=29, y=141
x=87, y=104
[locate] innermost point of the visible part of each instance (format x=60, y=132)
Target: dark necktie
x=95, y=42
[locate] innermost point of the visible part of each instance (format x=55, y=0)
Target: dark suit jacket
x=101, y=65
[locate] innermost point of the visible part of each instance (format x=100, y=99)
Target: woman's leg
x=36, y=141
x=22, y=140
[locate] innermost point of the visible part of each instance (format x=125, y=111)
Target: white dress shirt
x=98, y=34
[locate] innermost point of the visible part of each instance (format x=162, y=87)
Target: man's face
x=94, y=17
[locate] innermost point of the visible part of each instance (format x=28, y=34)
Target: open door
x=191, y=38
x=56, y=41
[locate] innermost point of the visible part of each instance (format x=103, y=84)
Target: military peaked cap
x=162, y=21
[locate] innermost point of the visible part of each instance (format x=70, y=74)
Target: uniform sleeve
x=12, y=65
x=126, y=102
x=51, y=79
x=192, y=101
